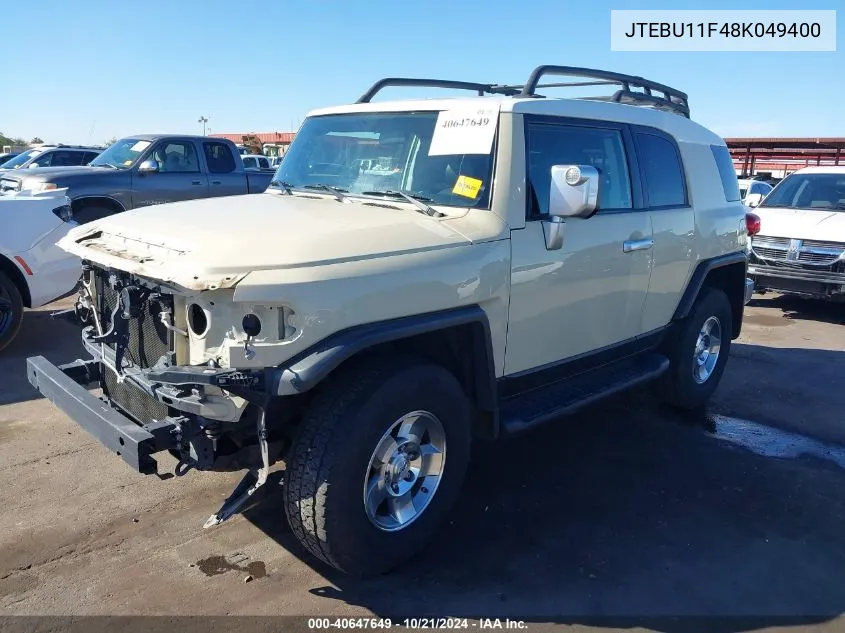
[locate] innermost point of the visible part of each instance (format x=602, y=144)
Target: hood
x=215, y=242
x=48, y=173
x=823, y=225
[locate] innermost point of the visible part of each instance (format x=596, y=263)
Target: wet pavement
x=626, y=510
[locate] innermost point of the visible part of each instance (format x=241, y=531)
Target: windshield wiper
x=337, y=191
x=105, y=165
x=418, y=201
x=281, y=184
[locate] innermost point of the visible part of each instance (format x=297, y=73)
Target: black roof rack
x=671, y=99
x=481, y=89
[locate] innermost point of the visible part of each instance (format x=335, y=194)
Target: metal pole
x=202, y=120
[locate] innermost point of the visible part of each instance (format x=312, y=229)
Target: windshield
x=20, y=159
x=122, y=154
x=809, y=191
x=387, y=153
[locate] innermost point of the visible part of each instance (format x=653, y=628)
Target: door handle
x=197, y=182
x=215, y=182
x=629, y=246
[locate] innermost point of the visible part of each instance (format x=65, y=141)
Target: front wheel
x=698, y=352
x=377, y=463
x=11, y=310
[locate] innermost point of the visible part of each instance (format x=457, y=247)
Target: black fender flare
x=308, y=368
x=698, y=278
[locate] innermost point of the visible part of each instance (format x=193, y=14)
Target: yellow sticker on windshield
x=467, y=187
x=127, y=162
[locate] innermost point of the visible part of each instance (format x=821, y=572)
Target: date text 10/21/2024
x=325, y=624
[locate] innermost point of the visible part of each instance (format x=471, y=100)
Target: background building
x=777, y=157
x=271, y=143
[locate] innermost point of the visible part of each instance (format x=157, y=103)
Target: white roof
x=822, y=169
x=678, y=126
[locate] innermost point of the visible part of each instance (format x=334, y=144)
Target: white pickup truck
x=800, y=248
x=33, y=270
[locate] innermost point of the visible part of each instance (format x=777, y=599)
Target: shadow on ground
x=55, y=339
x=621, y=516
x=801, y=308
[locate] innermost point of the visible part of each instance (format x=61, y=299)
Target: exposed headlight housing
x=65, y=213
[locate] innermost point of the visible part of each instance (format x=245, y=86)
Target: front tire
x=11, y=310
x=698, y=352
x=378, y=463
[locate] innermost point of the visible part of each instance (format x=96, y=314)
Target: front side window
x=377, y=153
x=604, y=149
x=176, y=157
x=809, y=191
x=661, y=168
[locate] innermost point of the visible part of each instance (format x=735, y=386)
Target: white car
x=800, y=248
x=753, y=191
x=256, y=161
x=33, y=270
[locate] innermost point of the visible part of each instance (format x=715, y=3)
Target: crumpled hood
x=215, y=242
x=824, y=225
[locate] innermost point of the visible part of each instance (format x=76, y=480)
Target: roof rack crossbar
x=481, y=89
x=672, y=99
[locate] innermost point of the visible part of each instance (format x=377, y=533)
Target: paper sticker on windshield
x=467, y=187
x=127, y=162
x=140, y=146
x=464, y=131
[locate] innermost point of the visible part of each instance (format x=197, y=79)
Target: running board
x=525, y=411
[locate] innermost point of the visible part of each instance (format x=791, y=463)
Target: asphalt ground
x=627, y=510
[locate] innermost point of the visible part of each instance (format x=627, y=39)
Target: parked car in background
x=7, y=156
x=801, y=245
x=275, y=161
x=256, y=161
x=33, y=270
x=753, y=191
x=146, y=170
x=53, y=156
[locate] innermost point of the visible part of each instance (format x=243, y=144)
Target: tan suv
x=420, y=275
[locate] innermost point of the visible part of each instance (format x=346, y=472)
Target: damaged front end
x=208, y=417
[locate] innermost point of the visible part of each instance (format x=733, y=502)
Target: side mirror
x=574, y=193
x=148, y=167
x=753, y=199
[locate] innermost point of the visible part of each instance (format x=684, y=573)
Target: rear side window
x=662, y=171
x=725, y=164
x=66, y=159
x=263, y=163
x=219, y=158
x=249, y=163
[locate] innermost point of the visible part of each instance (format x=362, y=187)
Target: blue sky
x=85, y=71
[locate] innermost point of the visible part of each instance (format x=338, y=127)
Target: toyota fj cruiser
x=420, y=275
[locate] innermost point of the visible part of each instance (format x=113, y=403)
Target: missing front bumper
x=133, y=443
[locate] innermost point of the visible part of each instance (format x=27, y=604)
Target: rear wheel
x=698, y=351
x=377, y=464
x=11, y=310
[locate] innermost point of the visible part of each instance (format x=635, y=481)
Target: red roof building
x=275, y=143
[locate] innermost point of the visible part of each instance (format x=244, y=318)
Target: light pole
x=202, y=120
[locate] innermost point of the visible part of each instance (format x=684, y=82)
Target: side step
x=525, y=411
